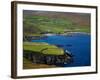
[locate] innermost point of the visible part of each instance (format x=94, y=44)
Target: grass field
x=43, y=48
x=37, y=24
x=27, y=64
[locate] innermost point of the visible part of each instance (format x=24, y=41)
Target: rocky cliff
x=38, y=58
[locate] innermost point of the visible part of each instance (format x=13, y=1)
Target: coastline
x=65, y=34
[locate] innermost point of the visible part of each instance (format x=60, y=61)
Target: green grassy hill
x=39, y=24
x=43, y=48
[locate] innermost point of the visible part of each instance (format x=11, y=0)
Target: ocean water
x=79, y=45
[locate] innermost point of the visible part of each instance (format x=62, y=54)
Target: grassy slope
x=27, y=64
x=47, y=49
x=37, y=24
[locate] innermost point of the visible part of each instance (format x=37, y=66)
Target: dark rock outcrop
x=38, y=58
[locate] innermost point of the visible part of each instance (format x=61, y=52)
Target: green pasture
x=43, y=48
